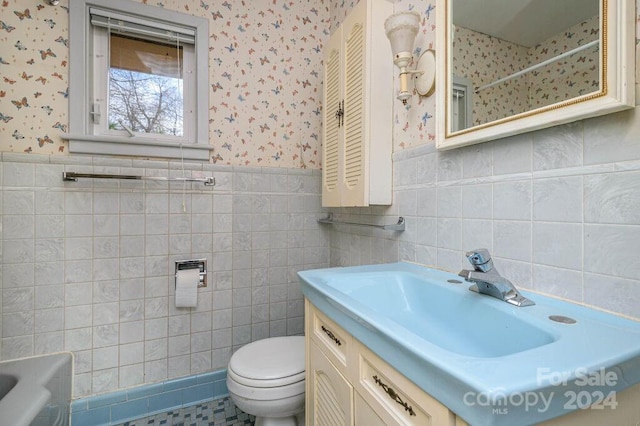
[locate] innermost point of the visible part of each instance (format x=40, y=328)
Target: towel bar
x=399, y=226
x=73, y=176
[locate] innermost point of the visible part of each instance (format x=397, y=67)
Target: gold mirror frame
x=617, y=88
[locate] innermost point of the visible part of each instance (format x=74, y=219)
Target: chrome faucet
x=489, y=281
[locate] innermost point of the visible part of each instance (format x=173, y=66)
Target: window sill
x=135, y=147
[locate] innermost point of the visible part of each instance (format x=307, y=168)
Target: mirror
x=521, y=65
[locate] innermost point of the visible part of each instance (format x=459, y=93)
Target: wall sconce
x=401, y=29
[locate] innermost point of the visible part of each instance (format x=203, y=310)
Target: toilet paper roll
x=187, y=288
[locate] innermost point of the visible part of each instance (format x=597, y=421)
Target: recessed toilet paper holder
x=200, y=264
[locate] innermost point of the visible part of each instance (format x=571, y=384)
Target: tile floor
x=221, y=412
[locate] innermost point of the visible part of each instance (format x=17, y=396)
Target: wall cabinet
x=358, y=110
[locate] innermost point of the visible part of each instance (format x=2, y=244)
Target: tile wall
x=88, y=266
x=558, y=208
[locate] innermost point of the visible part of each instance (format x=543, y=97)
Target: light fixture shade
x=401, y=29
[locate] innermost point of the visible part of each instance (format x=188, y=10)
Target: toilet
x=265, y=378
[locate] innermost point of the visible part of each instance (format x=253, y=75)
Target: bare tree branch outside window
x=145, y=103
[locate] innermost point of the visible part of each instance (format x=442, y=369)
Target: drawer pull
x=331, y=335
x=392, y=393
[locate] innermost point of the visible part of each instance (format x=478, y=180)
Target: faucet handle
x=480, y=259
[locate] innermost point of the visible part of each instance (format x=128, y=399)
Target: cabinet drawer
x=393, y=397
x=330, y=337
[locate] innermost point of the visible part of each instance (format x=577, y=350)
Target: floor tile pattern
x=221, y=412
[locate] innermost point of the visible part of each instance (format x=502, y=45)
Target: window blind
x=144, y=56
x=144, y=28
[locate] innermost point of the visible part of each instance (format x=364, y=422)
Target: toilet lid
x=275, y=361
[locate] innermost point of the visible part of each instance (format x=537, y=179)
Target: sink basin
x=490, y=362
x=440, y=315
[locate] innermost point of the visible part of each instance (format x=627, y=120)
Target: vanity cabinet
x=347, y=384
x=358, y=110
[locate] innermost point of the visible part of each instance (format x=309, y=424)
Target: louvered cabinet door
x=354, y=154
x=331, y=394
x=331, y=161
x=358, y=110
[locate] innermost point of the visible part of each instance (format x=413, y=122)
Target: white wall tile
x=512, y=240
x=78, y=248
x=18, y=174
x=49, y=175
x=477, y=201
x=18, y=251
x=18, y=202
x=156, y=349
x=449, y=202
x=512, y=200
x=477, y=234
x=558, y=244
x=106, y=247
x=78, y=226
x=131, y=375
x=106, y=313
x=612, y=250
x=80, y=203
x=450, y=234
x=155, y=328
x=46, y=273
x=612, y=293
x=427, y=169
x=106, y=203
x=78, y=339
x=17, y=347
x=48, y=226
x=558, y=147
x=105, y=225
x=48, y=320
x=17, y=299
x=49, y=296
x=612, y=138
x=78, y=294
x=77, y=316
x=477, y=161
x=103, y=381
x=612, y=198
x=131, y=332
x=48, y=343
x=18, y=226
x=513, y=154
x=105, y=335
x=449, y=165
x=49, y=203
x=565, y=283
x=558, y=199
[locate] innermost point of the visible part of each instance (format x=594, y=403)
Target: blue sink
x=490, y=362
x=440, y=315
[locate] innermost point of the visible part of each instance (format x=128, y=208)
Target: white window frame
x=87, y=138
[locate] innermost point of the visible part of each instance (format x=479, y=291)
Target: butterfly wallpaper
x=265, y=65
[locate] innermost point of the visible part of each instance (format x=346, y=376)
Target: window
x=138, y=80
x=461, y=104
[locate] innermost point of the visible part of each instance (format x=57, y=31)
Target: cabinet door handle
x=394, y=395
x=340, y=113
x=331, y=335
